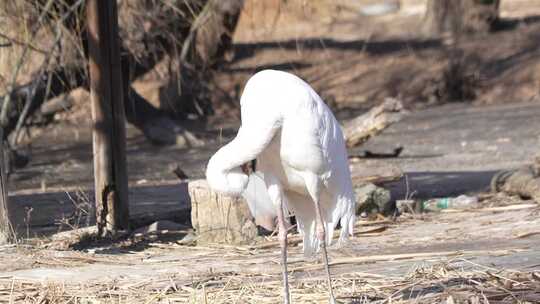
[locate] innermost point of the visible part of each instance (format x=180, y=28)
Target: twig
x=30, y=95
x=527, y=234
x=17, y=42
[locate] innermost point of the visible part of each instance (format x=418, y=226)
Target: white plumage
x=301, y=158
x=257, y=197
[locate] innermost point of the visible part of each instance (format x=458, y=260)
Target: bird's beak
x=249, y=167
x=246, y=168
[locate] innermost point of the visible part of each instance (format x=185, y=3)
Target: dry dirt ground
x=463, y=256
x=481, y=255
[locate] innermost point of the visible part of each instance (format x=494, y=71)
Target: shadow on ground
x=42, y=214
x=379, y=48
x=425, y=185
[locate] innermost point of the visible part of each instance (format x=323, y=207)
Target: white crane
x=301, y=157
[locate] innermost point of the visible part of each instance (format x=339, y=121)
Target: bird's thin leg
x=282, y=235
x=313, y=186
x=277, y=196
x=321, y=235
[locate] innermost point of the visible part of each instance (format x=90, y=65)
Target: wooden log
x=360, y=129
x=109, y=138
x=6, y=235
x=219, y=218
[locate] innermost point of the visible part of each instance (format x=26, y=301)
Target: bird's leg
x=276, y=195
x=282, y=235
x=321, y=235
x=313, y=185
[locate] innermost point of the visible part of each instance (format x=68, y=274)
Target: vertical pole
x=6, y=231
x=109, y=135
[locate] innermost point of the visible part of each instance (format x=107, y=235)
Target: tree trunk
x=460, y=16
x=6, y=231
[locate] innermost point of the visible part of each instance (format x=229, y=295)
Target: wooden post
x=6, y=231
x=109, y=135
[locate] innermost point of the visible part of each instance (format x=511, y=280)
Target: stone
x=159, y=227
x=219, y=218
x=370, y=199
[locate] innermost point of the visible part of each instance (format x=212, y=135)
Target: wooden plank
x=6, y=235
x=109, y=139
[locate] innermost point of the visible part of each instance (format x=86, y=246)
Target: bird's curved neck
x=223, y=172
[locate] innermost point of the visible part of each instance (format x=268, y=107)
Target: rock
x=189, y=239
x=75, y=233
x=408, y=206
x=370, y=198
x=219, y=218
x=158, y=227
x=524, y=182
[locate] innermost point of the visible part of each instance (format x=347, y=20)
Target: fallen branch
x=363, y=127
x=527, y=234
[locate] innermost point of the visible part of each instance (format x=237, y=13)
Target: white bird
x=301, y=160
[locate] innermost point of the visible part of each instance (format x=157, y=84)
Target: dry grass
x=436, y=277
x=455, y=281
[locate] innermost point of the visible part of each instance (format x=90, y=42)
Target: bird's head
x=249, y=167
x=232, y=182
